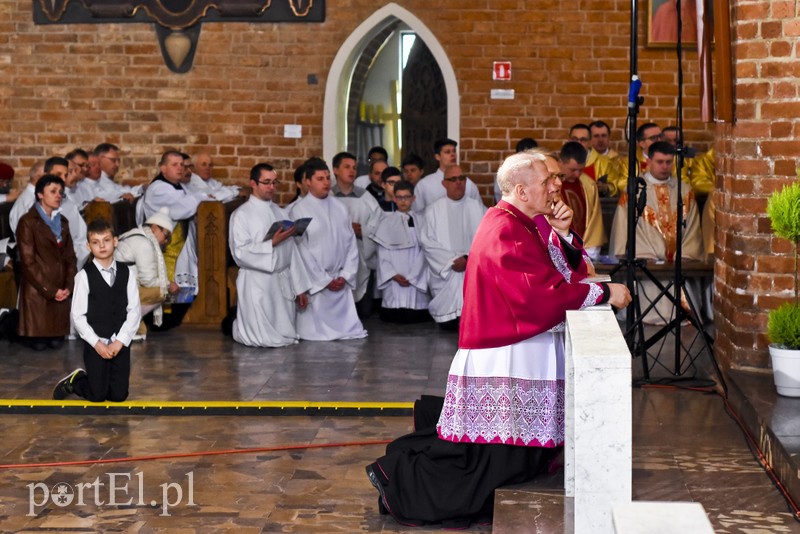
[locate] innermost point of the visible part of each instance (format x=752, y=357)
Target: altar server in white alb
x=429, y=189
x=450, y=225
x=361, y=206
x=402, y=273
x=330, y=255
x=272, y=282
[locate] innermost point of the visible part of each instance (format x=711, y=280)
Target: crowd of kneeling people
x=391, y=242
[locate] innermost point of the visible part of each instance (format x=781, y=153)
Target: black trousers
x=105, y=380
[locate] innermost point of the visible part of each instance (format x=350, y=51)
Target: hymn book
x=299, y=224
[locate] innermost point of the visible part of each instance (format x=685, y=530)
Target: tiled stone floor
x=685, y=447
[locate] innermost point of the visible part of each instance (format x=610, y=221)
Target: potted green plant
x=783, y=327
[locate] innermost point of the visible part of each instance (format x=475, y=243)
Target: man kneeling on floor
x=106, y=314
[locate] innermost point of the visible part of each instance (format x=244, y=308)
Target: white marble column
x=598, y=448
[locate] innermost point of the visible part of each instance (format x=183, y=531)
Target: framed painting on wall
x=662, y=23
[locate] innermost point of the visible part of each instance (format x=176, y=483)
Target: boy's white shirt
x=80, y=301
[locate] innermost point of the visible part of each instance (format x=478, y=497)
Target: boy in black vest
x=106, y=314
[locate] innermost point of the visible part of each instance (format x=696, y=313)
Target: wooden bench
x=121, y=215
x=216, y=269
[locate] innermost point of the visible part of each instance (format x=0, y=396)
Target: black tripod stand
x=685, y=354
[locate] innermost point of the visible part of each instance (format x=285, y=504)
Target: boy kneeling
x=106, y=314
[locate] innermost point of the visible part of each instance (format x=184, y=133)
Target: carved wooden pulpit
x=177, y=22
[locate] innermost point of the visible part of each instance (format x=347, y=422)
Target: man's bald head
x=203, y=165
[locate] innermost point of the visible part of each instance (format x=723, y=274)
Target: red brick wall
x=757, y=155
x=78, y=85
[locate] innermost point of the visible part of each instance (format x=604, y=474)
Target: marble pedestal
x=598, y=426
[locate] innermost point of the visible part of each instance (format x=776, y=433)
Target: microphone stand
x=634, y=332
x=634, y=329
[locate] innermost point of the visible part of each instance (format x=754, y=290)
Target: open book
x=299, y=224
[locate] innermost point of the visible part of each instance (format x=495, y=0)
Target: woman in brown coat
x=48, y=266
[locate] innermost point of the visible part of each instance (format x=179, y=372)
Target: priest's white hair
x=514, y=169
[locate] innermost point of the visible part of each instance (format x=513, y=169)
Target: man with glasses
x=104, y=187
x=579, y=133
x=272, y=283
x=80, y=158
x=429, y=189
x=450, y=225
x=360, y=207
x=646, y=135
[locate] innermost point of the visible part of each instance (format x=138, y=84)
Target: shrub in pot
x=783, y=327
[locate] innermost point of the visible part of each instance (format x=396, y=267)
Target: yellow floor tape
x=200, y=405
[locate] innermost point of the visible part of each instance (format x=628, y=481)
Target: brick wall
x=757, y=155
x=78, y=85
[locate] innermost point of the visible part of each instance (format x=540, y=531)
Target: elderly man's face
x=542, y=187
x=203, y=166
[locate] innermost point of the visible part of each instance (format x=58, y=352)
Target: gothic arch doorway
x=339, y=108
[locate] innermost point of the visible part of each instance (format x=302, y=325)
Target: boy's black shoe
x=65, y=386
